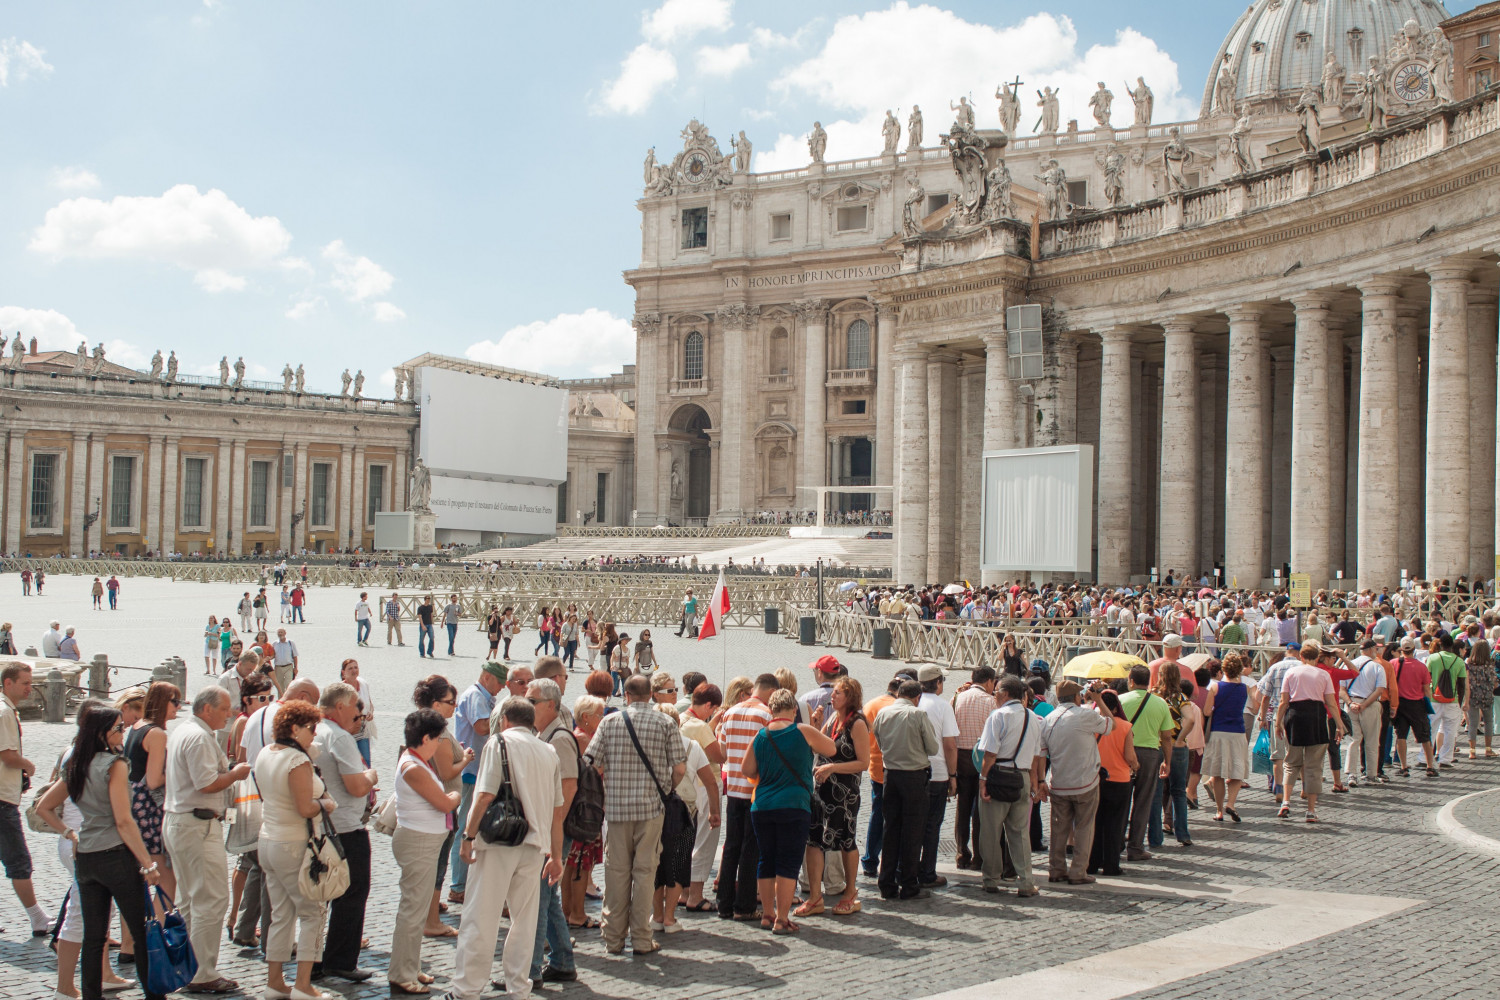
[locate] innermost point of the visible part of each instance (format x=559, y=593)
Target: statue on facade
x=239, y=373
x=997, y=201
x=421, y=488
x=347, y=380
x=1309, y=131
x=18, y=351
x=1374, y=98
x=650, y=170
x=1224, y=90
x=1054, y=190
x=817, y=142
x=156, y=364
x=97, y=368
x=1442, y=66
x=890, y=131
x=676, y=481
x=1112, y=162
x=1333, y=80
x=911, y=210
x=300, y=380
x=914, y=128
x=400, y=374
x=1010, y=107
x=966, y=149
x=172, y=367
x=1239, y=139
x=1175, y=157
x=964, y=112
x=286, y=377
x=80, y=366
x=741, y=147
x=1051, y=111
x=1145, y=101
x=224, y=370
x=359, y=383
x=1101, y=104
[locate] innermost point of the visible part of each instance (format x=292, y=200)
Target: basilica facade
x=1275, y=323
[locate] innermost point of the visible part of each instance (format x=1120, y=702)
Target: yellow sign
x=1301, y=590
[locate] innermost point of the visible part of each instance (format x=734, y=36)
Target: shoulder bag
x=676, y=819
x=34, y=821
x=1006, y=784
x=1140, y=708
x=585, y=819
x=815, y=805
x=504, y=822
x=170, y=962
x=324, y=874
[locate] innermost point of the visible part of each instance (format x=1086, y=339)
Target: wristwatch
x=467, y=837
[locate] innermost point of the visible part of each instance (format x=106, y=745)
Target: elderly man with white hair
x=51, y=640
x=198, y=777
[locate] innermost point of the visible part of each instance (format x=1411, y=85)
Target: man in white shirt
x=362, y=620
x=52, y=640
x=942, y=783
x=1012, y=738
x=1362, y=695
x=284, y=657
x=510, y=877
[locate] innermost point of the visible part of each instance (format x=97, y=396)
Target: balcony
x=689, y=387
x=850, y=377
x=778, y=381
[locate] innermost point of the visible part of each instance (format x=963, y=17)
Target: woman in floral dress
x=837, y=781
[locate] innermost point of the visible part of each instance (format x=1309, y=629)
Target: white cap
x=1172, y=641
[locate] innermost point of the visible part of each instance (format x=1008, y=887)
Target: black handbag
x=504, y=822
x=1006, y=784
x=676, y=820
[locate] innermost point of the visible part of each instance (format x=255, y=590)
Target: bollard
x=99, y=676
x=31, y=652
x=164, y=673
x=55, y=696
x=179, y=674
x=880, y=644
x=807, y=630
x=773, y=620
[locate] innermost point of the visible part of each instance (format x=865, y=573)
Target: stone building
x=1476, y=49
x=1256, y=317
x=601, y=451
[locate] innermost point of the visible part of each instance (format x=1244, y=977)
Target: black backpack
x=585, y=819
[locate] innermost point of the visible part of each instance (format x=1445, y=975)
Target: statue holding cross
x=1010, y=106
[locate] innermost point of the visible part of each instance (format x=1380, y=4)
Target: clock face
x=695, y=165
x=1411, y=82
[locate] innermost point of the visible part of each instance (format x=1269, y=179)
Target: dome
x=1277, y=46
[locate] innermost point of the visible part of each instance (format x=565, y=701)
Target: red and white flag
x=718, y=607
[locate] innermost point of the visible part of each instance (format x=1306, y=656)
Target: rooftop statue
x=890, y=131
x=914, y=128
x=1010, y=107
x=1144, y=100
x=817, y=142
x=1101, y=103
x=1051, y=111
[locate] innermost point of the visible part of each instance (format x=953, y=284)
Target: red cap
x=827, y=664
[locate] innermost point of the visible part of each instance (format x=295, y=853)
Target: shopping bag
x=1260, y=755
x=170, y=962
x=244, y=817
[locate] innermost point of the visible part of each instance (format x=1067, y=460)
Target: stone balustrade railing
x=710, y=531
x=143, y=386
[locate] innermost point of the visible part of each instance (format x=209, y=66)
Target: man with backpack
x=1449, y=675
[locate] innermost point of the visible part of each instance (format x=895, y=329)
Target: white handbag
x=384, y=820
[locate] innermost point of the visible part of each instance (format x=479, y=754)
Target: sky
x=350, y=183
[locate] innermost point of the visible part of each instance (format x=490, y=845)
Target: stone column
x=15, y=492
x=300, y=498
x=1209, y=481
x=735, y=321
x=970, y=488
x=1116, y=455
x=1448, y=374
x=78, y=465
x=357, y=500
x=911, y=469
x=345, y=531
x=1178, y=542
x=1379, y=439
x=1482, y=334
x=885, y=400
x=96, y=491
x=1411, y=451
x=151, y=493
x=239, y=507
x=1352, y=417
x=1245, y=471
x=942, y=463
x=1063, y=427
x=169, y=486
x=1281, y=460
x=647, y=394
x=813, y=467
x=1337, y=448
x=223, y=468
x=1310, y=511
x=999, y=395
x=287, y=502
x=402, y=481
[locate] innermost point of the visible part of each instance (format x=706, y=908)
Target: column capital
x=1379, y=285
x=910, y=351
x=1179, y=325
x=1116, y=334
x=995, y=340
x=1313, y=301
x=1452, y=269
x=810, y=310
x=1245, y=312
x=942, y=356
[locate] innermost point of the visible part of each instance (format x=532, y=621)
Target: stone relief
x=698, y=166
x=966, y=149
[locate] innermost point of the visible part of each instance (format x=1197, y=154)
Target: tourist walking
x=393, y=620
x=15, y=773
x=1479, y=696
x=211, y=645
x=1363, y=697
x=426, y=643
x=1302, y=716
x=452, y=611
x=97, y=592
x=1449, y=685
x=362, y=620
x=1226, y=754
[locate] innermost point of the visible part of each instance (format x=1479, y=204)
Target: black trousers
x=904, y=808
x=104, y=877
x=346, y=915
x=1109, y=827
x=967, y=817
x=737, y=890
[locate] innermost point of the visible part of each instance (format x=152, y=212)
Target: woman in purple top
x=1226, y=755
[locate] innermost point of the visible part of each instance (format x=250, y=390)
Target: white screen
x=395, y=531
x=1037, y=509
x=485, y=505
x=473, y=425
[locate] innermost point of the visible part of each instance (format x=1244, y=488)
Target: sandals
x=810, y=909
x=845, y=907
x=702, y=906
x=785, y=928
x=1490, y=753
x=446, y=932
x=1219, y=818
x=1432, y=772
x=589, y=924
x=1232, y=814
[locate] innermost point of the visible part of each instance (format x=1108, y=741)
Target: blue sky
x=352, y=183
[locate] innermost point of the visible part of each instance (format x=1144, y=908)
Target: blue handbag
x=170, y=963
x=1260, y=755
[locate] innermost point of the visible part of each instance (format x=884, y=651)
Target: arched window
x=857, y=354
x=692, y=356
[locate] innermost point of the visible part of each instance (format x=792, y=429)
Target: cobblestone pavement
x=1379, y=841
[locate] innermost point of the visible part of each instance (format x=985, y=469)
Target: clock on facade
x=1411, y=82
x=695, y=165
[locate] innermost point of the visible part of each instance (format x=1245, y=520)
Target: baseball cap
x=1408, y=644
x=931, y=672
x=827, y=664
x=1171, y=640
x=1294, y=647
x=1368, y=644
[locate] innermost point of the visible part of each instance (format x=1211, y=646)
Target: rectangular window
x=320, y=476
x=853, y=406
x=1484, y=39
x=121, y=491
x=1078, y=193
x=194, y=470
x=260, y=490
x=852, y=218
x=288, y=470
x=935, y=202
x=601, y=493
x=781, y=226
x=43, y=489
x=1483, y=80
x=694, y=228
x=374, y=493
x=562, y=503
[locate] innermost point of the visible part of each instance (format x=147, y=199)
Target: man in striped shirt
x=737, y=731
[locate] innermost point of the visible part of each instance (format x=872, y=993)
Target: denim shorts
x=782, y=837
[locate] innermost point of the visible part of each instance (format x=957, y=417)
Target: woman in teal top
x=780, y=761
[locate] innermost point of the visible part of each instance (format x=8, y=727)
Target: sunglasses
x=176, y=702
x=447, y=701
x=118, y=727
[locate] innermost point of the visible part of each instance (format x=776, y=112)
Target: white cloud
x=571, y=345
x=124, y=353
x=306, y=306
x=676, y=20
x=388, y=312
x=723, y=60
x=359, y=278
x=52, y=329
x=202, y=232
x=22, y=59
x=74, y=179
x=929, y=56
x=644, y=72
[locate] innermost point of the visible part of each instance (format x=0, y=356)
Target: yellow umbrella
x=1106, y=664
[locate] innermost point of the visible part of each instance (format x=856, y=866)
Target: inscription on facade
x=968, y=305
x=814, y=276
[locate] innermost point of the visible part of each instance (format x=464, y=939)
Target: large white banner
x=485, y=505
x=474, y=425
x=1037, y=509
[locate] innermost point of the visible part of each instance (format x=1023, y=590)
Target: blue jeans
x=452, y=634
x=1177, y=788
x=297, y=614
x=456, y=863
x=552, y=931
x=362, y=630
x=426, y=643
x=875, y=832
